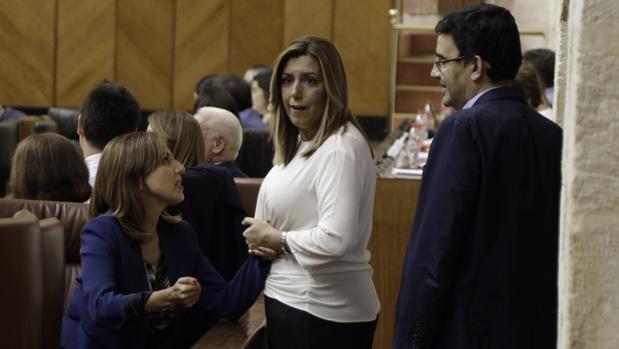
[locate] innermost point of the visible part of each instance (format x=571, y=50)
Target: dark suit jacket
x=232, y=169
x=481, y=265
x=113, y=280
x=214, y=209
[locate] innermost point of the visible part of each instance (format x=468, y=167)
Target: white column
x=589, y=257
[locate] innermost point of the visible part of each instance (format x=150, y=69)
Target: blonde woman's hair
x=182, y=133
x=125, y=162
x=337, y=110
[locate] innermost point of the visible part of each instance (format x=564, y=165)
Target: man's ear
x=220, y=145
x=80, y=125
x=478, y=69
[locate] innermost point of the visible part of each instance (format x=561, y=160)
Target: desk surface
x=237, y=334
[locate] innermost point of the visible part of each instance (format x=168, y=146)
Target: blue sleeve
x=99, y=257
x=232, y=299
x=445, y=210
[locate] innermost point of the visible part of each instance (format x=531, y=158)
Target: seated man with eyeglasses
x=481, y=265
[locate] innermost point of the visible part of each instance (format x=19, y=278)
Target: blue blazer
x=113, y=280
x=481, y=265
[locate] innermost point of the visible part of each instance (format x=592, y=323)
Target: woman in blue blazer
x=144, y=281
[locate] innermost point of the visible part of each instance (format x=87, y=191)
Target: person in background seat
x=48, y=166
x=108, y=110
x=223, y=137
x=212, y=203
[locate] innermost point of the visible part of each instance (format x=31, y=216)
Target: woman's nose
x=297, y=91
x=180, y=169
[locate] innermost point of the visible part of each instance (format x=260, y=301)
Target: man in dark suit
x=213, y=207
x=481, y=265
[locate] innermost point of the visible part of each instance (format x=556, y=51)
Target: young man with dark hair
x=481, y=265
x=107, y=111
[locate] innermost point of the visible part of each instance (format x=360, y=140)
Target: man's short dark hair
x=108, y=110
x=238, y=88
x=544, y=61
x=213, y=96
x=204, y=83
x=488, y=31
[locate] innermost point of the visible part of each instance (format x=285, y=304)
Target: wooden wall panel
x=302, y=17
x=85, y=48
x=394, y=207
x=145, y=50
x=201, y=45
x=27, y=54
x=256, y=30
x=361, y=33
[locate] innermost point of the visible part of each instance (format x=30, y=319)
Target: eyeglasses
x=439, y=63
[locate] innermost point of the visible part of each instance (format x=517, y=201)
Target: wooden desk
x=235, y=335
x=394, y=207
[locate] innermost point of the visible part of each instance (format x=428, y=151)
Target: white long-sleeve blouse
x=325, y=204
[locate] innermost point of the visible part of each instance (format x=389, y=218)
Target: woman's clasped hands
x=263, y=240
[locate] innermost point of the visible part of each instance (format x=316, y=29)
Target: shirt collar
x=472, y=101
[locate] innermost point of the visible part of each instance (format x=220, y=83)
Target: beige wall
x=54, y=51
x=589, y=260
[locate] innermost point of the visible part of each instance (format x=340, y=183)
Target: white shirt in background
x=325, y=204
x=92, y=162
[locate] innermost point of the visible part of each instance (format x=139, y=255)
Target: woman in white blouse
x=315, y=206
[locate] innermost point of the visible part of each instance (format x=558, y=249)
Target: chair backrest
x=21, y=298
x=73, y=217
x=248, y=189
x=66, y=121
x=8, y=142
x=25, y=126
x=52, y=240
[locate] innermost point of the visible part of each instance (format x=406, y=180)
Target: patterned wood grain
x=302, y=17
x=361, y=33
x=85, y=48
x=27, y=54
x=201, y=45
x=144, y=55
x=394, y=207
x=256, y=33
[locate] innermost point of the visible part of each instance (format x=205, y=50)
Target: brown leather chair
x=21, y=296
x=52, y=239
x=248, y=189
x=73, y=217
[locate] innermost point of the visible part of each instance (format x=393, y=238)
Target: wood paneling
x=302, y=17
x=255, y=33
x=201, y=45
x=27, y=54
x=394, y=207
x=144, y=50
x=361, y=33
x=85, y=48
x=59, y=49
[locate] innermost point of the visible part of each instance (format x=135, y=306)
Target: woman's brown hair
x=182, y=133
x=125, y=162
x=337, y=110
x=48, y=166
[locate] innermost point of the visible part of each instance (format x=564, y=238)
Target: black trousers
x=290, y=328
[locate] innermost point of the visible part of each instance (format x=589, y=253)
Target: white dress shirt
x=92, y=162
